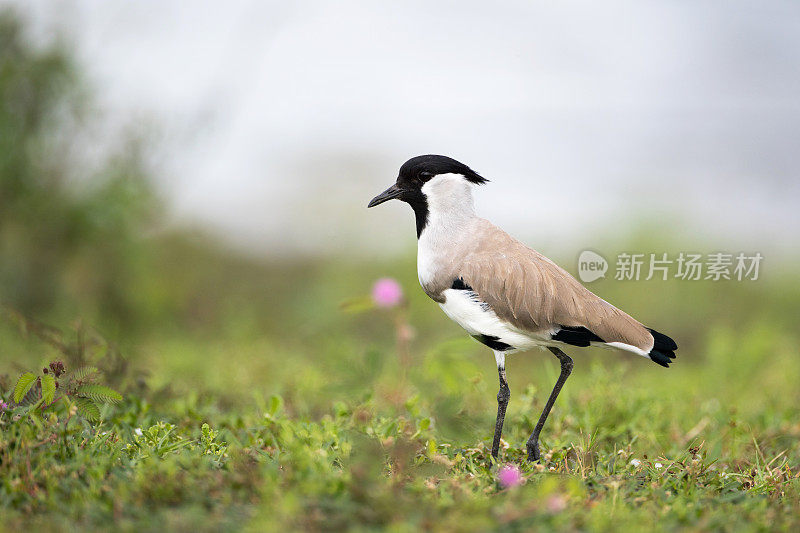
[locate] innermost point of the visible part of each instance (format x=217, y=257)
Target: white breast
x=428, y=256
x=464, y=308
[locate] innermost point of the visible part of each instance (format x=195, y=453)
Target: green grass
x=314, y=420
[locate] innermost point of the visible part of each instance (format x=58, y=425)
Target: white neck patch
x=450, y=211
x=448, y=196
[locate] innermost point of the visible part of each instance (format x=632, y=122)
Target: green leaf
x=99, y=393
x=48, y=388
x=357, y=305
x=79, y=374
x=24, y=384
x=431, y=448
x=37, y=421
x=275, y=403
x=88, y=409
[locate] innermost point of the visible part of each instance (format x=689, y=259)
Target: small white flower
x=635, y=462
x=658, y=466
x=137, y=432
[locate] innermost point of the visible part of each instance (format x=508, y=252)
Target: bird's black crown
x=417, y=170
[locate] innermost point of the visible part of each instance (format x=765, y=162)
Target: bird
x=506, y=295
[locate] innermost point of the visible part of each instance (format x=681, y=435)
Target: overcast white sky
x=281, y=120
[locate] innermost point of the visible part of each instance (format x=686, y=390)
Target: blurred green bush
x=68, y=229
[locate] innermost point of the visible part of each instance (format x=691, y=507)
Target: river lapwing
x=507, y=296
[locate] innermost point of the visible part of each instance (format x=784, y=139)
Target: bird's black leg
x=503, y=396
x=566, y=370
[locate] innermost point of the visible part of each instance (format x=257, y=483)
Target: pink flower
x=509, y=476
x=387, y=292
x=3, y=406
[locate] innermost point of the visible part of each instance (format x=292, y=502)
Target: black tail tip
x=662, y=342
x=664, y=347
x=663, y=358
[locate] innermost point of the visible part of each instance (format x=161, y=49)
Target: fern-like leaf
x=34, y=417
x=82, y=373
x=48, y=388
x=99, y=393
x=24, y=384
x=87, y=409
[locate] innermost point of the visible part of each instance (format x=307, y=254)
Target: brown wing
x=527, y=289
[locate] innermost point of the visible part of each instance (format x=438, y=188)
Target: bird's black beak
x=389, y=194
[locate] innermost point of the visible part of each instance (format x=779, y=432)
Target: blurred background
x=588, y=120
x=193, y=182
x=183, y=192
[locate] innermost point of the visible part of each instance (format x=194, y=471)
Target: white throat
x=451, y=211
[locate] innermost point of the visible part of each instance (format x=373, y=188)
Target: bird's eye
x=425, y=176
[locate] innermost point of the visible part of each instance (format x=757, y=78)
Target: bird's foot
x=533, y=451
x=491, y=460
